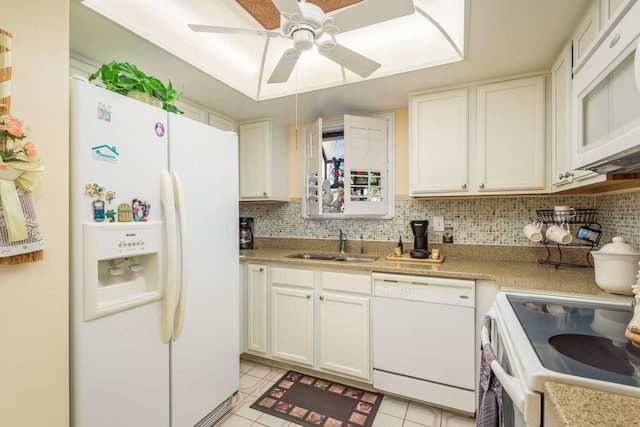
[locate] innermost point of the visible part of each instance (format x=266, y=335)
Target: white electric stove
x=574, y=340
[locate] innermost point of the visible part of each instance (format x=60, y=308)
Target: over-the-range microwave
x=606, y=101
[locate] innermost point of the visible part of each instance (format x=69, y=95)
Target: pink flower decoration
x=30, y=149
x=11, y=125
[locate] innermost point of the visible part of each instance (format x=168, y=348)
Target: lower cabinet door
x=292, y=324
x=344, y=334
x=257, y=308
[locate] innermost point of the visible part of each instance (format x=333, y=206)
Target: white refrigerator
x=154, y=264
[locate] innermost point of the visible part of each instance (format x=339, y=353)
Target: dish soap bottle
x=400, y=246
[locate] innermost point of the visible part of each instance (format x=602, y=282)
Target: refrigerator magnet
x=98, y=210
x=124, y=212
x=140, y=210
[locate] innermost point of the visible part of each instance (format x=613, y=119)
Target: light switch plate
x=438, y=223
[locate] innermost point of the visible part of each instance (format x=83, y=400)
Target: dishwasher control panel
x=440, y=290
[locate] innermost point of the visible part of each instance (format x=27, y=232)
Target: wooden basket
x=5, y=71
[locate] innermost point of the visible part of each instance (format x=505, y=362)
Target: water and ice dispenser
x=122, y=266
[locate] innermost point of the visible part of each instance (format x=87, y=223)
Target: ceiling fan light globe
x=303, y=39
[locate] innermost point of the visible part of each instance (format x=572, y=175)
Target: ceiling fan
x=305, y=23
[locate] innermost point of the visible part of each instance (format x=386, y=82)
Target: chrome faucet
x=343, y=238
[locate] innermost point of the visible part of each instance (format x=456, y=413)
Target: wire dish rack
x=586, y=233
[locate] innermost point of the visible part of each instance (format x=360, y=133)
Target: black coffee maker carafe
x=420, y=239
x=246, y=232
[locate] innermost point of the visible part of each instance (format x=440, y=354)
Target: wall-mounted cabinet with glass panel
x=347, y=168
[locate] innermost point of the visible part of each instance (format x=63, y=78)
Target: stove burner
x=597, y=352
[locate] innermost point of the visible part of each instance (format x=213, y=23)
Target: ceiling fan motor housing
x=303, y=29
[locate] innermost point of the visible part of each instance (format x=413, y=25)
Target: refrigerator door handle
x=168, y=205
x=182, y=296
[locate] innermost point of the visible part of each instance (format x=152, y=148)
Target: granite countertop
x=575, y=406
x=515, y=275
x=572, y=405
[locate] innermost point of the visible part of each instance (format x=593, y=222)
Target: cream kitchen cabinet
x=585, y=35
x=609, y=9
x=345, y=324
x=563, y=177
x=256, y=308
x=439, y=143
x=510, y=135
x=310, y=317
x=264, y=161
x=600, y=16
x=292, y=315
x=494, y=144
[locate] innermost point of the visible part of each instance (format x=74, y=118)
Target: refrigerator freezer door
x=204, y=357
x=119, y=366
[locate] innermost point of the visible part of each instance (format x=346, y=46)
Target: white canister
x=616, y=266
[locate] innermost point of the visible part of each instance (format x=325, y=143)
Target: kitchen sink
x=355, y=259
x=323, y=257
x=330, y=257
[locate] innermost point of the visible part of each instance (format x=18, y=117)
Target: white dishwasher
x=424, y=339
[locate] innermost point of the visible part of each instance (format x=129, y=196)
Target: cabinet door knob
x=308, y=296
x=261, y=269
x=321, y=298
x=464, y=185
x=481, y=185
x=264, y=193
x=561, y=176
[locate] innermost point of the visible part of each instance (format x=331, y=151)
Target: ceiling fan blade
x=367, y=12
x=289, y=8
x=361, y=65
x=231, y=30
x=285, y=66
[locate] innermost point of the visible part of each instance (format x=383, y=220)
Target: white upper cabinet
x=585, y=34
x=511, y=136
x=493, y=145
x=347, y=168
x=222, y=123
x=264, y=161
x=609, y=9
x=598, y=19
x=563, y=177
x=561, y=119
x=439, y=143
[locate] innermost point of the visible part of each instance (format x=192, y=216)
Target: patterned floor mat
x=312, y=401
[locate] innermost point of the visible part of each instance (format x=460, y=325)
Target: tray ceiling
x=433, y=35
x=268, y=16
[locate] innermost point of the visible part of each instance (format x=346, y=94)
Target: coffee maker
x=420, y=239
x=246, y=232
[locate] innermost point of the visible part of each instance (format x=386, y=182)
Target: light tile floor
x=256, y=378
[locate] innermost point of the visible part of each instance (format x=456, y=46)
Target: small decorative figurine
x=633, y=328
x=111, y=215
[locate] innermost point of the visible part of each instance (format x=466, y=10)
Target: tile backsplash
x=482, y=221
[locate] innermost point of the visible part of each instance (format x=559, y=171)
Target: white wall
x=34, y=304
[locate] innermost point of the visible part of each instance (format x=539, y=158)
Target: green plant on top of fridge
x=124, y=77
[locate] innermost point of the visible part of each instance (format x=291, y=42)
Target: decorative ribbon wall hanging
x=20, y=171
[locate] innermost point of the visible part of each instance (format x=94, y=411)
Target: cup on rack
x=559, y=233
x=533, y=231
x=563, y=213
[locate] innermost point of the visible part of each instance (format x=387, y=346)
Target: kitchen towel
x=490, y=394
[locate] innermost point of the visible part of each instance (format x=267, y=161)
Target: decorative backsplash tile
x=481, y=221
